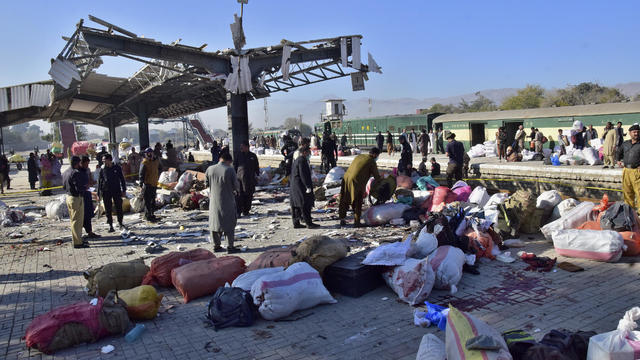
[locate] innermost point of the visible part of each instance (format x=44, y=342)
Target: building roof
x=563, y=111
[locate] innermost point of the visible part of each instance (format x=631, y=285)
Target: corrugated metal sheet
x=63, y=71
x=4, y=101
x=20, y=97
x=580, y=110
x=41, y=94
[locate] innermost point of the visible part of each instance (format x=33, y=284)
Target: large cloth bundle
x=168, y=176
x=426, y=183
x=404, y=182
x=382, y=214
x=319, y=252
x=142, y=302
x=272, y=258
x=80, y=148
x=280, y=294
x=548, y=200
x=334, y=175
x=115, y=276
x=604, y=245
x=412, y=281
x=462, y=191
x=424, y=244
x=388, y=254
x=446, y=262
x=184, y=183
x=57, y=209
x=245, y=281
x=571, y=220
x=204, y=277
x=562, y=208
x=76, y=324
x=160, y=271
x=619, y=344
x=462, y=327
x=479, y=196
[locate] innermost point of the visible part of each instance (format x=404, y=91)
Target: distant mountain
x=282, y=108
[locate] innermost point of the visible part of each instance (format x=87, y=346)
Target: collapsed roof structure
x=175, y=80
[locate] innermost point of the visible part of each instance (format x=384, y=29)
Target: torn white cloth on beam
x=355, y=52
x=286, y=57
x=239, y=81
x=343, y=51
x=373, y=65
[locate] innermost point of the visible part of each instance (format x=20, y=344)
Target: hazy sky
x=426, y=48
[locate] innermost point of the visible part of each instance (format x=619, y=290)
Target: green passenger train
x=477, y=127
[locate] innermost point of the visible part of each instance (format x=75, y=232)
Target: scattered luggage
x=83, y=322
x=426, y=183
x=425, y=243
x=461, y=327
x=319, y=252
x=334, y=175
x=604, y=245
x=618, y=217
x=184, y=183
x=563, y=207
x=204, y=277
x=160, y=270
x=390, y=254
x=142, y=302
x=404, y=182
x=462, y=191
x=348, y=276
x=412, y=281
x=571, y=219
x=548, y=200
x=479, y=196
x=447, y=262
x=57, y=209
x=281, y=294
x=382, y=214
x=431, y=348
x=231, y=306
x=115, y=276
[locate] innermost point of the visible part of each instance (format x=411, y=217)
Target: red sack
x=160, y=271
x=272, y=258
x=204, y=277
x=631, y=238
x=79, y=323
x=440, y=195
x=403, y=181
x=481, y=242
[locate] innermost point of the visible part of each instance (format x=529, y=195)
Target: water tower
x=334, y=113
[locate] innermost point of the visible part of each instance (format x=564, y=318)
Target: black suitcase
x=349, y=277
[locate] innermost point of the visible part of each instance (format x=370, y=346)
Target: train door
x=477, y=134
x=511, y=128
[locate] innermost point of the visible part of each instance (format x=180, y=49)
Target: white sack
x=479, y=196
x=137, y=204
x=298, y=287
x=563, y=207
x=168, y=177
x=447, y=262
x=245, y=281
x=600, y=245
x=388, y=254
x=382, y=214
x=431, y=348
x=335, y=175
x=184, y=183
x=619, y=344
x=424, y=245
x=591, y=156
x=548, y=200
x=412, y=281
x=57, y=209
x=571, y=220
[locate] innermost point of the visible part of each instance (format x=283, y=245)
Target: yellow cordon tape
x=546, y=182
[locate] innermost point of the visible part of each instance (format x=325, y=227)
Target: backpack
x=231, y=306
x=514, y=211
x=618, y=217
x=544, y=139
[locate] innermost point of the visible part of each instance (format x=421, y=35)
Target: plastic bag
x=600, y=245
x=298, y=287
x=548, y=200
x=461, y=327
x=620, y=344
x=167, y=177
x=424, y=245
x=571, y=220
x=462, y=193
x=446, y=262
x=245, y=281
x=57, y=209
x=184, y=183
x=382, y=214
x=204, y=277
x=388, y=254
x=431, y=348
x=142, y=302
x=334, y=175
x=137, y=203
x=412, y=281
x=479, y=196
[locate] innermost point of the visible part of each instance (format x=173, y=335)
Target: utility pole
x=266, y=115
x=370, y=105
x=299, y=121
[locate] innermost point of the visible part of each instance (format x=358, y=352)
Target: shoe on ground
x=81, y=246
x=93, y=235
x=298, y=226
x=121, y=226
x=111, y=229
x=343, y=223
x=605, y=167
x=218, y=249
x=245, y=214
x=233, y=250
x=312, y=226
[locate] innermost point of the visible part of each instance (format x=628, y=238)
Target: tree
x=530, y=97
x=81, y=133
x=584, y=94
x=637, y=98
x=480, y=103
x=291, y=123
x=440, y=108
x=305, y=130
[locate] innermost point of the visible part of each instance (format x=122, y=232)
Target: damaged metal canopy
x=175, y=79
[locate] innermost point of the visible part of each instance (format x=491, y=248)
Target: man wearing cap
x=455, y=152
x=247, y=168
x=629, y=155
x=72, y=184
x=149, y=175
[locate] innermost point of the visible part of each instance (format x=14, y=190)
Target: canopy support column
x=238, y=121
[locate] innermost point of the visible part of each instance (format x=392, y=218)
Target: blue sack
x=427, y=183
x=555, y=160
